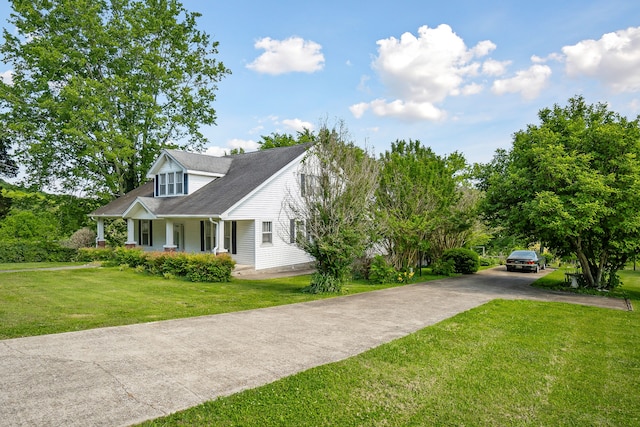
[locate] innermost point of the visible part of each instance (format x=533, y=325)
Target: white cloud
x=246, y=145
x=491, y=67
x=408, y=110
x=472, y=89
x=363, y=86
x=421, y=71
x=285, y=56
x=551, y=57
x=614, y=59
x=216, y=151
x=358, y=110
x=297, y=124
x=528, y=82
x=7, y=77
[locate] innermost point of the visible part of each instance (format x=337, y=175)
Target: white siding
x=169, y=166
x=191, y=235
x=196, y=182
x=245, y=238
x=266, y=205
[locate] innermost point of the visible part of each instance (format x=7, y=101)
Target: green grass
x=629, y=279
x=506, y=363
x=31, y=265
x=46, y=302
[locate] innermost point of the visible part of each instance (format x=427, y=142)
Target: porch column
x=220, y=238
x=169, y=246
x=100, y=242
x=131, y=233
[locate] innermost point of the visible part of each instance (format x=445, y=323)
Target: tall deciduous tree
x=99, y=87
x=285, y=139
x=332, y=206
x=418, y=193
x=573, y=182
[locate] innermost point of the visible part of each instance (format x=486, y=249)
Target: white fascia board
x=156, y=163
x=136, y=202
x=197, y=172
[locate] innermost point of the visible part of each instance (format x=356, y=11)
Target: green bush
x=443, y=268
x=380, y=271
x=95, y=254
x=465, y=261
x=30, y=251
x=487, y=262
x=323, y=283
x=195, y=267
x=131, y=257
x=209, y=268
x=82, y=238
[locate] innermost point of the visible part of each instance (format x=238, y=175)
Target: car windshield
x=522, y=254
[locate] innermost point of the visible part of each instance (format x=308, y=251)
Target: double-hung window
x=145, y=233
x=171, y=183
x=267, y=232
x=162, y=185
x=179, y=183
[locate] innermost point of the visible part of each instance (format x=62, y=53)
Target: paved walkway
x=123, y=375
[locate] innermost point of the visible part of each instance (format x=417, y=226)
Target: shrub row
x=24, y=251
x=195, y=267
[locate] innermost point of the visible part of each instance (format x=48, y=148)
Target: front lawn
x=506, y=363
x=46, y=302
x=630, y=284
x=32, y=265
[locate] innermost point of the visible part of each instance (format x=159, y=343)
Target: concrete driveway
x=123, y=375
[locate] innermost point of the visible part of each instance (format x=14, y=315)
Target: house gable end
x=138, y=210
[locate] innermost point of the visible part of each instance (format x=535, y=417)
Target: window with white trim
x=267, y=232
x=145, y=232
x=179, y=183
x=162, y=184
x=171, y=183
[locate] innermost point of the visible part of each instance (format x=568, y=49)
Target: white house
x=200, y=203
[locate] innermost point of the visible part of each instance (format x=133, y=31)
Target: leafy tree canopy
x=99, y=87
x=285, y=140
x=573, y=182
x=416, y=200
x=332, y=206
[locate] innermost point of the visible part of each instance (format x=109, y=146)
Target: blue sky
x=457, y=75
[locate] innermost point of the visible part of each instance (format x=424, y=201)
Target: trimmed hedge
x=25, y=251
x=204, y=267
x=464, y=261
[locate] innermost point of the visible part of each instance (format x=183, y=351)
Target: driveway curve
x=123, y=375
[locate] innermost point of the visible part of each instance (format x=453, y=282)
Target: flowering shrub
x=405, y=276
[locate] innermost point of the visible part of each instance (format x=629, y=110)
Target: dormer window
x=170, y=184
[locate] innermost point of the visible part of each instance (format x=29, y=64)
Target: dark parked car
x=525, y=261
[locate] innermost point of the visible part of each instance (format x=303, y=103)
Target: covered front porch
x=211, y=235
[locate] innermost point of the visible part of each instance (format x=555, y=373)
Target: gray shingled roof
x=245, y=173
x=201, y=162
x=118, y=206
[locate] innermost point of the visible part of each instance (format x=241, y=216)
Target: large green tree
x=332, y=206
x=417, y=202
x=99, y=87
x=573, y=183
x=276, y=139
